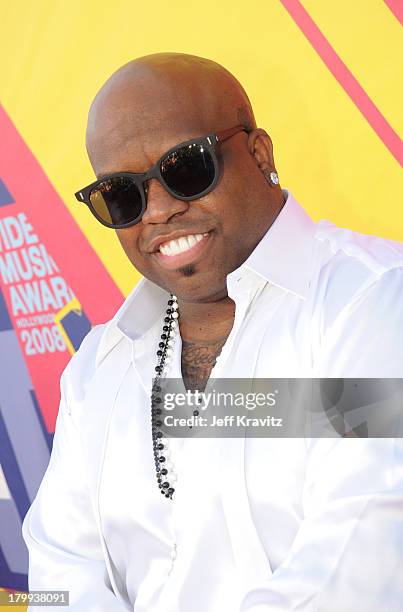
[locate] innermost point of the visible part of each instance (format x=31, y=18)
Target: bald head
x=147, y=108
x=173, y=95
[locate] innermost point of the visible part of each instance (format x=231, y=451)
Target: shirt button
x=173, y=553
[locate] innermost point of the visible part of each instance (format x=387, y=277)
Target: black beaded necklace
x=164, y=348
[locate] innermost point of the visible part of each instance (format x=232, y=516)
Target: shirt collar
x=282, y=258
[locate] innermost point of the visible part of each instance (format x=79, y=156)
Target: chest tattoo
x=198, y=359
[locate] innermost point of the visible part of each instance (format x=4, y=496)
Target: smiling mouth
x=181, y=251
x=180, y=245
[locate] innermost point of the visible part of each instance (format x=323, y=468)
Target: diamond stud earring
x=274, y=178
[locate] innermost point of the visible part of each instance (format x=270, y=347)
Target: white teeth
x=184, y=243
x=191, y=240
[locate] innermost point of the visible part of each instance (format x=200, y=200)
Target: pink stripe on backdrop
x=79, y=265
x=396, y=6
x=346, y=79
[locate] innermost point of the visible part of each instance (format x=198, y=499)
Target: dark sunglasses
x=188, y=171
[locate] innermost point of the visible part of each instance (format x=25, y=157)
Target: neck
x=206, y=322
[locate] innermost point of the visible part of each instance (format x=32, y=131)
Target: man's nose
x=161, y=205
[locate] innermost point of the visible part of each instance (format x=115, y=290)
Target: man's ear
x=261, y=147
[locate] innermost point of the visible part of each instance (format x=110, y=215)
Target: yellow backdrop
x=324, y=78
x=56, y=54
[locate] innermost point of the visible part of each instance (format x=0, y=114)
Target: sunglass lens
x=117, y=200
x=189, y=170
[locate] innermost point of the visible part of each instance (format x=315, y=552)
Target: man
x=259, y=290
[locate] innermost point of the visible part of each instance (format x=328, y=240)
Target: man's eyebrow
x=106, y=174
x=103, y=175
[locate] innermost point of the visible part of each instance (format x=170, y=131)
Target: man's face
x=224, y=226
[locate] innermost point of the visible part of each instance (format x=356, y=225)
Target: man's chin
x=187, y=271
x=193, y=286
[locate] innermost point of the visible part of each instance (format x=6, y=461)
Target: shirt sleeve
x=348, y=552
x=366, y=338
x=60, y=530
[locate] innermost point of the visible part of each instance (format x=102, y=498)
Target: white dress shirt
x=255, y=525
